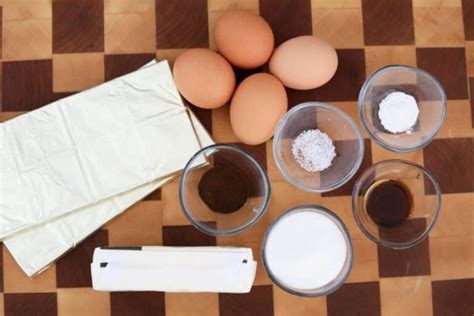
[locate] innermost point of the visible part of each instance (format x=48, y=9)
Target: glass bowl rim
x=277, y=156
x=344, y=230
x=388, y=244
x=228, y=232
x=379, y=141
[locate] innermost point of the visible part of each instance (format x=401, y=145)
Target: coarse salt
x=398, y=112
x=313, y=150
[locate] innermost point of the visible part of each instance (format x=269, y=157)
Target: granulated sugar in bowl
x=307, y=251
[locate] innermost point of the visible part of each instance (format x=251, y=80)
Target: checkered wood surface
x=53, y=48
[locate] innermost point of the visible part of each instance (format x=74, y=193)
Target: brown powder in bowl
x=223, y=190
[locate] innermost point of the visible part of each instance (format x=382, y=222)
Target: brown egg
x=244, y=39
x=304, y=62
x=204, y=78
x=257, y=105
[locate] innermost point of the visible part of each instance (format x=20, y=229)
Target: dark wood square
x=26, y=85
x=468, y=15
x=296, y=97
x=453, y=297
x=361, y=299
x=388, y=22
x=259, y=152
x=451, y=162
x=186, y=236
x=287, y=18
x=471, y=93
x=241, y=74
x=137, y=303
x=154, y=196
x=204, y=116
x=405, y=262
x=448, y=65
x=346, y=189
x=31, y=304
x=78, y=26
x=181, y=24
x=119, y=65
x=259, y=302
x=73, y=270
x=349, y=77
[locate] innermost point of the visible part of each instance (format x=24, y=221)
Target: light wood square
x=351, y=108
x=285, y=196
x=27, y=30
x=289, y=304
x=452, y=257
x=169, y=54
x=413, y=296
x=458, y=120
x=272, y=171
x=171, y=211
x=336, y=4
x=129, y=26
x=342, y=28
x=221, y=128
x=83, y=301
x=5, y=116
x=456, y=218
x=379, y=56
x=470, y=58
x=437, y=3
x=191, y=304
x=2, y=310
x=226, y=5
x=77, y=72
x=379, y=154
x=342, y=206
x=16, y=281
x=138, y=226
x=438, y=27
x=365, y=267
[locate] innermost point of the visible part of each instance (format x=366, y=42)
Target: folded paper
x=174, y=269
x=36, y=247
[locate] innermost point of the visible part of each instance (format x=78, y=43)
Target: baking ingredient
x=144, y=95
x=304, y=62
x=204, y=78
x=257, y=105
x=313, y=150
x=244, y=38
x=305, y=250
x=388, y=202
x=224, y=190
x=173, y=269
x=398, y=112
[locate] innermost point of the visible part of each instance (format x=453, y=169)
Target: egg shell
x=257, y=105
x=244, y=39
x=204, y=78
x=304, y=62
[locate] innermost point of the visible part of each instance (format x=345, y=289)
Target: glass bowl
x=344, y=133
x=243, y=165
x=425, y=203
x=338, y=279
x=427, y=91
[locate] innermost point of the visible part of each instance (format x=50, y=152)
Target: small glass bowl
x=220, y=224
x=338, y=126
x=429, y=95
x=343, y=274
x=425, y=203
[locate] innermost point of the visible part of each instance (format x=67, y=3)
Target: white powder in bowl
x=398, y=112
x=313, y=150
x=305, y=250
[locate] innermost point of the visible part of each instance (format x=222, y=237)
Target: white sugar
x=306, y=250
x=313, y=150
x=398, y=112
